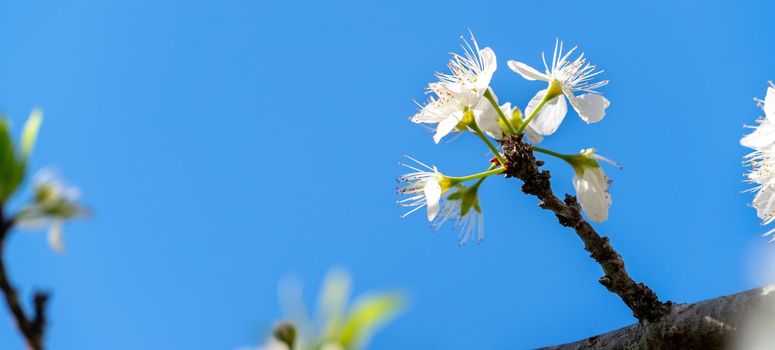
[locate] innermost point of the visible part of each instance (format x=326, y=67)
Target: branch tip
x=643, y=302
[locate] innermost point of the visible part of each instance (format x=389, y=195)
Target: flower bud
x=591, y=184
x=286, y=333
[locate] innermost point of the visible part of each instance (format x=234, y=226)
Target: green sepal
x=457, y=195
x=582, y=161
x=470, y=199
x=477, y=207
x=503, y=126
x=516, y=118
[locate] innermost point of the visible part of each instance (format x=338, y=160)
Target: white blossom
x=471, y=72
x=761, y=161
x=592, y=190
x=424, y=186
x=592, y=184
x=763, y=136
x=272, y=344
x=446, y=111
x=427, y=187
x=565, y=77
x=460, y=90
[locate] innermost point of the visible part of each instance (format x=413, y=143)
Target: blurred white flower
x=338, y=323
x=463, y=89
x=591, y=184
x=425, y=186
x=761, y=161
x=273, y=344
x=565, y=77
x=331, y=346
x=53, y=204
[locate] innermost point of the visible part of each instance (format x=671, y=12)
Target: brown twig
x=522, y=164
x=32, y=327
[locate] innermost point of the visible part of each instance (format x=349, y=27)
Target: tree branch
x=33, y=327
x=710, y=325
x=522, y=164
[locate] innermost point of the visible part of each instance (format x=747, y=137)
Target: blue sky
x=224, y=145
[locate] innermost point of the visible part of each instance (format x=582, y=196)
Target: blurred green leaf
x=13, y=167
x=368, y=314
x=30, y=133
x=8, y=165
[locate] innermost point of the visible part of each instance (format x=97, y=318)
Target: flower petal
x=55, y=237
x=769, y=103
x=764, y=202
x=590, y=107
x=31, y=218
x=433, y=112
x=532, y=135
x=550, y=116
x=489, y=65
x=526, y=71
x=445, y=127
x=487, y=55
x=762, y=137
x=432, y=198
x=487, y=119
x=592, y=192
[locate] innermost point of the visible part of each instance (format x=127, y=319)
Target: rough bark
x=643, y=302
x=711, y=324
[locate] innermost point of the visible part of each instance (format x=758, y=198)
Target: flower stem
x=486, y=141
x=475, y=186
x=481, y=175
x=494, y=104
x=491, y=168
x=532, y=115
x=550, y=152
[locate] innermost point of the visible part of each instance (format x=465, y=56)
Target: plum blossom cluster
x=761, y=162
x=462, y=100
